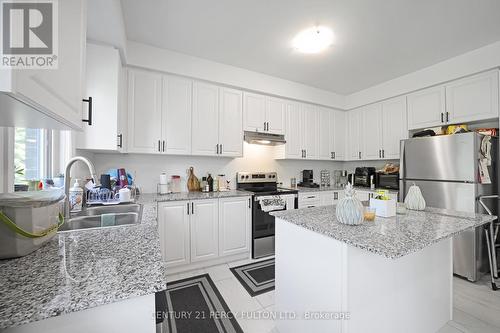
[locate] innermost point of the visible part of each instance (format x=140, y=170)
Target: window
x=32, y=154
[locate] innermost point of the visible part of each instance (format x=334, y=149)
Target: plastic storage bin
x=28, y=220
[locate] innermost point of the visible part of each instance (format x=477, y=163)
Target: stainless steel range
x=267, y=197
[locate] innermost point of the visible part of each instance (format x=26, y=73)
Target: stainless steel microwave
x=388, y=181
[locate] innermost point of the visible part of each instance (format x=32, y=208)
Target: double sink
x=104, y=217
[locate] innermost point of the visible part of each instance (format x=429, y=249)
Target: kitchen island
x=390, y=275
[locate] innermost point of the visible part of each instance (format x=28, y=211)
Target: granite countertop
x=82, y=269
x=200, y=195
x=334, y=188
x=392, y=237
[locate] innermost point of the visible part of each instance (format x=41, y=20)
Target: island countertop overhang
x=393, y=237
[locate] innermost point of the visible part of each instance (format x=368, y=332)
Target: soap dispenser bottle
x=76, y=197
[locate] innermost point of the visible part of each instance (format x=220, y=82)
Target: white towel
x=271, y=203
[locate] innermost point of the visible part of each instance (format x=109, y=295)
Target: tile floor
x=476, y=306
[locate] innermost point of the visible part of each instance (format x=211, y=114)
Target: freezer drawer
x=470, y=258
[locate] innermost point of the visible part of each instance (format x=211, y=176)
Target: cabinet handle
x=163, y=145
x=89, y=120
x=359, y=154
x=188, y=207
x=159, y=145
x=379, y=153
x=221, y=148
x=217, y=148
x=383, y=153
x=305, y=153
x=334, y=155
x=331, y=155
x=192, y=208
x=249, y=203
x=447, y=116
x=120, y=141
x=335, y=195
x=442, y=120
x=264, y=126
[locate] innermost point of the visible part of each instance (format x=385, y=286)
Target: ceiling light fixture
x=313, y=40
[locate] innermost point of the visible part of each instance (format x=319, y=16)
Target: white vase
x=349, y=209
x=414, y=199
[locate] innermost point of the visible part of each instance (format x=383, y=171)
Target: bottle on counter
x=76, y=197
x=204, y=184
x=210, y=182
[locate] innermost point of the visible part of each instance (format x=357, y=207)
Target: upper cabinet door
x=354, y=132
x=205, y=131
x=58, y=93
x=372, y=132
x=473, y=98
x=275, y=115
x=310, y=130
x=394, y=126
x=324, y=134
x=144, y=111
x=426, y=108
x=339, y=134
x=231, y=122
x=293, y=135
x=176, y=115
x=204, y=221
x=254, y=112
x=103, y=85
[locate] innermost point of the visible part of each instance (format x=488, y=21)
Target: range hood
x=267, y=139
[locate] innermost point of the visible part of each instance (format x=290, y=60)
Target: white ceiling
x=376, y=40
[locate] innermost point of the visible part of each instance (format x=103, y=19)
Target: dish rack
x=101, y=196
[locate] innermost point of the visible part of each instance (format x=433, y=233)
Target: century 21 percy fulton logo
x=29, y=34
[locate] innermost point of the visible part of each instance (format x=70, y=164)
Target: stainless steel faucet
x=67, y=178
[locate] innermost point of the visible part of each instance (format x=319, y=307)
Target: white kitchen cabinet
x=293, y=134
x=263, y=113
x=196, y=231
x=309, y=199
x=426, y=108
x=254, y=112
x=473, y=98
x=176, y=115
x=275, y=115
x=105, y=85
x=235, y=219
x=325, y=137
x=372, y=132
x=56, y=93
x=144, y=111
x=355, y=135
x=205, y=128
x=204, y=224
x=394, y=126
x=331, y=197
x=230, y=122
x=338, y=135
x=217, y=121
x=174, y=232
x=310, y=133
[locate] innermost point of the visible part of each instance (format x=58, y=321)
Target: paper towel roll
x=163, y=179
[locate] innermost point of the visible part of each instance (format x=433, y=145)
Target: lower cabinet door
x=173, y=228
x=234, y=225
x=204, y=221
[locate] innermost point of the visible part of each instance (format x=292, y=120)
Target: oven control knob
x=246, y=176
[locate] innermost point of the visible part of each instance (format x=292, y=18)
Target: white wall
x=150, y=57
x=147, y=168
x=472, y=62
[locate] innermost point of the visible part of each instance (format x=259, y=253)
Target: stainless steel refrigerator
x=446, y=168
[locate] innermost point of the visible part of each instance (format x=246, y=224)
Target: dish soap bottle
x=76, y=197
